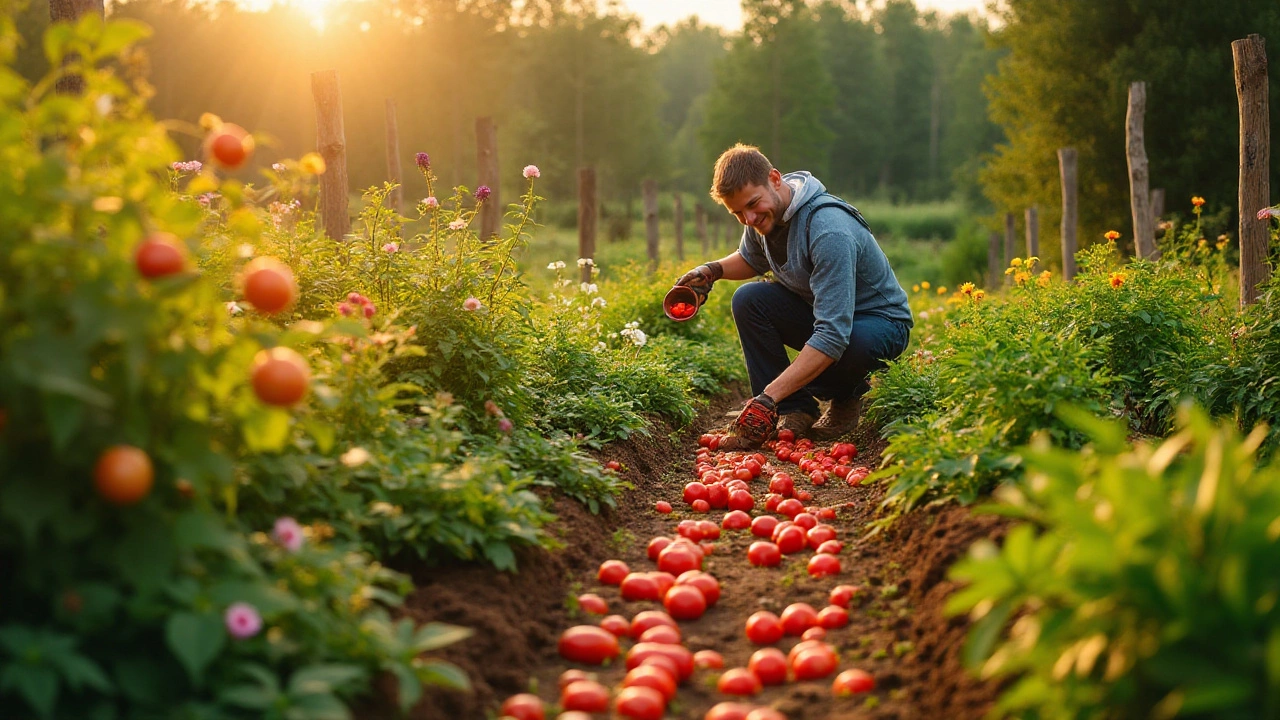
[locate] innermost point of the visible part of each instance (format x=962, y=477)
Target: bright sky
x=728, y=13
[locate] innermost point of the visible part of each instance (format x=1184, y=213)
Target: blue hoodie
x=837, y=266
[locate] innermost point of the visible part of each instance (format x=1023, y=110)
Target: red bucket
x=682, y=295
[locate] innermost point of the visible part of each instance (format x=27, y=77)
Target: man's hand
x=758, y=420
x=702, y=277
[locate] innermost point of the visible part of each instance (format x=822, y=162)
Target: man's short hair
x=738, y=167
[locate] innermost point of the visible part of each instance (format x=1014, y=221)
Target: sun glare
x=316, y=11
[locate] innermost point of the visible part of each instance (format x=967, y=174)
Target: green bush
x=1143, y=584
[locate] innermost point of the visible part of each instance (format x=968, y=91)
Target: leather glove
x=758, y=420
x=701, y=278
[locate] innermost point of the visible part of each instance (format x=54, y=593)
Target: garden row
x=219, y=429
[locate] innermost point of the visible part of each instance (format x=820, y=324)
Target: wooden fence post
x=1033, y=232
x=700, y=225
x=1010, y=241
x=487, y=167
x=1157, y=205
x=395, y=199
x=331, y=141
x=586, y=218
x=651, y=221
x=1250, y=56
x=679, y=223
x=993, y=260
x=1067, y=158
x=1139, y=178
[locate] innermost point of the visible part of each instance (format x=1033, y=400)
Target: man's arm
x=736, y=267
x=808, y=365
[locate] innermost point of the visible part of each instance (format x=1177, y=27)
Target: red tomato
x=764, y=525
x=123, y=474
x=831, y=547
x=568, y=677
x=640, y=703
x=791, y=540
x=736, y=520
x=650, y=618
x=777, y=529
x=742, y=473
x=661, y=634
x=661, y=661
x=657, y=545
x=593, y=603
x=832, y=617
x=842, y=471
x=695, y=491
x=524, y=706
x=708, y=659
x=741, y=500
x=685, y=602
x=790, y=507
x=814, y=664
x=701, y=506
x=782, y=484
x=771, y=501
x=797, y=618
x=804, y=496
x=709, y=530
x=816, y=632
x=822, y=565
x=677, y=559
x=765, y=713
x=769, y=665
x=805, y=520
x=679, y=654
x=665, y=580
x=852, y=682
x=280, y=377
x=826, y=514
x=229, y=146
x=764, y=554
x=662, y=506
x=617, y=625
x=786, y=436
x=728, y=711
x=588, y=644
x=818, y=477
x=808, y=645
x=573, y=715
x=738, y=681
x=612, y=571
x=717, y=495
x=654, y=677
x=764, y=628
x=160, y=254
x=707, y=548
x=268, y=285
x=705, y=582
x=842, y=594
x=705, y=440
x=640, y=586
x=585, y=696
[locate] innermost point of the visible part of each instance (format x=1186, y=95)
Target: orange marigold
x=1117, y=279
x=1197, y=201
x=1112, y=235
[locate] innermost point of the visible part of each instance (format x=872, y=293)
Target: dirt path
x=897, y=632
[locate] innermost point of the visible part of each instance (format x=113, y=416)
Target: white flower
x=103, y=104
x=355, y=457
x=557, y=265
x=233, y=308
x=278, y=167
x=584, y=262
x=597, y=302
x=589, y=288
x=639, y=338
x=600, y=347
x=458, y=224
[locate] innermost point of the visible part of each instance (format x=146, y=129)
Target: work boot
x=840, y=417
x=797, y=422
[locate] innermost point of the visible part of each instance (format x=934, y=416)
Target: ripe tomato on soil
x=798, y=617
x=617, y=625
x=280, y=377
x=764, y=628
x=814, y=664
x=159, y=255
x=764, y=525
x=701, y=506
x=728, y=711
x=588, y=644
x=815, y=633
x=585, y=696
x=765, y=713
x=790, y=507
x=695, y=491
x=736, y=520
x=764, y=554
x=123, y=474
x=741, y=500
x=678, y=558
x=524, y=706
x=842, y=595
x=790, y=540
x=708, y=659
x=678, y=654
x=662, y=506
x=739, y=681
x=268, y=285
x=640, y=703
x=661, y=634
x=593, y=603
x=852, y=682
x=685, y=602
x=823, y=565
x=654, y=677
x=769, y=665
x=832, y=617
x=709, y=530
x=568, y=677
x=650, y=618
x=657, y=545
x=612, y=572
x=705, y=582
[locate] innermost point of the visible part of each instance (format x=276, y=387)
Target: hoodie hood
x=804, y=187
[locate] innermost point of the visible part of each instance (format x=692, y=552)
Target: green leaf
x=64, y=415
x=266, y=429
x=29, y=504
x=249, y=697
x=323, y=433
x=145, y=556
x=322, y=679
x=443, y=674
x=195, y=639
x=434, y=636
x=985, y=633
x=56, y=40
x=198, y=529
x=80, y=671
x=37, y=684
x=317, y=707
x=120, y=34
x=501, y=555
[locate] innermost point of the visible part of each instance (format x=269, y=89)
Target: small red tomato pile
x=759, y=498
x=683, y=310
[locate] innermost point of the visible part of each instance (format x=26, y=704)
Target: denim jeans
x=771, y=318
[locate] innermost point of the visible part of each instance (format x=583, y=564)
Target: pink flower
x=344, y=309
x=356, y=298
x=492, y=408
x=470, y=304
x=431, y=202
x=391, y=247
x=369, y=310
x=423, y=160
x=458, y=224
x=531, y=171
x=505, y=425
x=243, y=620
x=482, y=192
x=1265, y=213
x=288, y=533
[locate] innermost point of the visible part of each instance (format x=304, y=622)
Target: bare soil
x=897, y=631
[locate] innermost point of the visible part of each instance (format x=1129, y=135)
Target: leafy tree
x=686, y=54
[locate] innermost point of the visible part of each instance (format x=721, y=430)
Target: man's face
x=760, y=207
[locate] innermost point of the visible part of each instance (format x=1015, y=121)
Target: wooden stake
x=487, y=167
x=993, y=260
x=586, y=217
x=331, y=142
x=1010, y=241
x=651, y=221
x=395, y=199
x=700, y=225
x=679, y=223
x=1157, y=205
x=1250, y=56
x=1033, y=232
x=1067, y=172
x=1139, y=178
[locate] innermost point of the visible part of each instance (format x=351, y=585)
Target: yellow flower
x=1031, y=261
x=979, y=294
x=1197, y=201
x=1008, y=270
x=1117, y=279
x=967, y=288
x=1016, y=262
x=942, y=290
x=209, y=121
x=1021, y=277
x=925, y=284
x=1202, y=242
x=1222, y=243
x=1112, y=235
x=312, y=164
x=1043, y=280
x=915, y=288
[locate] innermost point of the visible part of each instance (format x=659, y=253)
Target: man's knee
x=749, y=298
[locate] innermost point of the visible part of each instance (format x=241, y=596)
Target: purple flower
x=483, y=192
x=423, y=160
x=505, y=425
x=243, y=620
x=288, y=533
x=532, y=171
